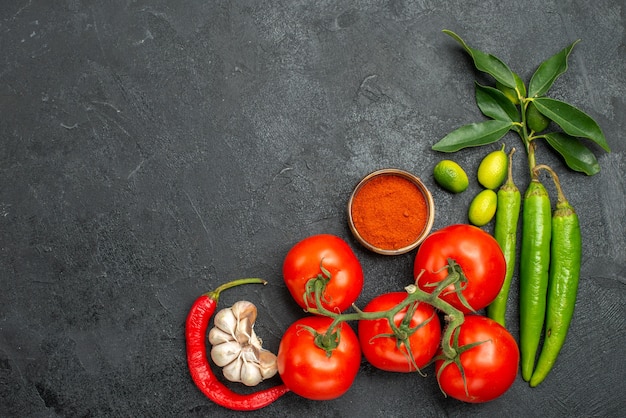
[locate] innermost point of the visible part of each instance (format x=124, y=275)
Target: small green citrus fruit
x=534, y=119
x=493, y=169
x=483, y=207
x=450, y=176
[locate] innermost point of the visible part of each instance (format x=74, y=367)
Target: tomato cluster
x=458, y=270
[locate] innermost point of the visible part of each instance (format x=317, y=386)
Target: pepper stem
x=215, y=294
x=531, y=160
x=509, y=180
x=555, y=178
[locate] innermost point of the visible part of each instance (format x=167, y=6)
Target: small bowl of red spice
x=391, y=211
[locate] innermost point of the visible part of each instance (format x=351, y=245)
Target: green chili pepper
x=505, y=232
x=533, y=274
x=565, y=259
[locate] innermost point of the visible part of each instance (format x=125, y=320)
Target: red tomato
x=307, y=370
x=490, y=368
x=382, y=350
x=477, y=253
x=304, y=262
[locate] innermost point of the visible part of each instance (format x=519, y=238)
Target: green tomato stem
x=453, y=316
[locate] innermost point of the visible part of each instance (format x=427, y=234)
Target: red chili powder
x=389, y=211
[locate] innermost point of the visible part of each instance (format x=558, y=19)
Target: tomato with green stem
x=326, y=259
x=318, y=359
x=409, y=343
x=467, y=258
x=486, y=365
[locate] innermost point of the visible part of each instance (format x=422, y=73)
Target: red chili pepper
x=199, y=367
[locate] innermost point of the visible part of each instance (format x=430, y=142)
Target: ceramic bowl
x=430, y=212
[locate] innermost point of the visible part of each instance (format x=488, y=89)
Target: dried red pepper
x=195, y=333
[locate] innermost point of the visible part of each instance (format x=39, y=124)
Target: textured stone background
x=151, y=150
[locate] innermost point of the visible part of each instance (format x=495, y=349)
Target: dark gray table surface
x=151, y=150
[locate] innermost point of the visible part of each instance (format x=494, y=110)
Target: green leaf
x=572, y=120
x=577, y=156
x=486, y=62
x=473, y=135
x=549, y=71
x=494, y=104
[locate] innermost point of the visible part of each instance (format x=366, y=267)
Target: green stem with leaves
x=508, y=104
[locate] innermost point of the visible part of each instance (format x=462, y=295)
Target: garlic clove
x=244, y=309
x=244, y=331
x=267, y=364
x=232, y=371
x=217, y=336
x=250, y=353
x=226, y=321
x=224, y=353
x=255, y=340
x=250, y=374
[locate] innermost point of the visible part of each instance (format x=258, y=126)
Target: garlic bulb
x=237, y=348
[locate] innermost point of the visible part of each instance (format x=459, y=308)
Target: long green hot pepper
x=505, y=232
x=565, y=260
x=533, y=274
